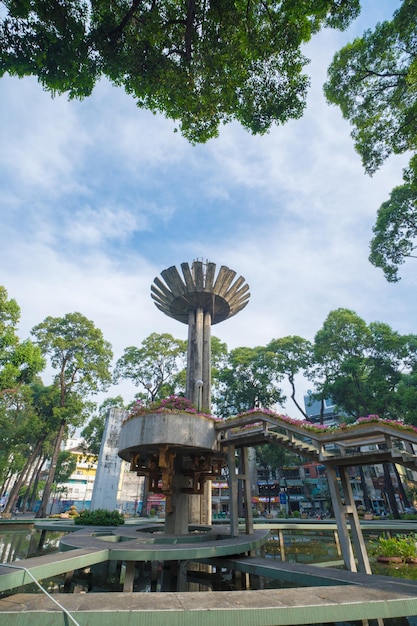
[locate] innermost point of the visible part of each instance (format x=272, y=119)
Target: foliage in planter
x=100, y=517
x=403, y=546
x=174, y=404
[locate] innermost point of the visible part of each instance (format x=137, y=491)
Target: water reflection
x=16, y=545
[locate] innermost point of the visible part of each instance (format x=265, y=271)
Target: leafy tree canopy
x=78, y=351
x=365, y=369
x=248, y=381
x=202, y=62
x=395, y=231
x=292, y=355
x=66, y=465
x=154, y=366
x=81, y=356
x=374, y=82
x=20, y=361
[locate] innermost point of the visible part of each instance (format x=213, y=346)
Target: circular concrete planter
x=180, y=431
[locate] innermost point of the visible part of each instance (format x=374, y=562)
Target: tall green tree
x=155, y=367
x=31, y=420
x=248, y=381
x=202, y=62
x=340, y=369
x=362, y=368
x=374, y=82
x=292, y=357
x=81, y=356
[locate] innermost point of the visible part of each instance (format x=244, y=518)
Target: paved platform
x=312, y=605
x=319, y=595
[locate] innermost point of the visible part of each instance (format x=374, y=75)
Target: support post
x=355, y=528
x=345, y=543
x=247, y=491
x=233, y=486
x=343, y=514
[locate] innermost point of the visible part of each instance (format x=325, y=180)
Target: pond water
x=22, y=544
x=307, y=547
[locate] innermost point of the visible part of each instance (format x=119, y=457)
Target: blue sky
x=98, y=197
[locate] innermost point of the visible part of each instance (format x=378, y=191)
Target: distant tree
x=273, y=457
x=203, y=63
x=362, y=368
x=155, y=367
x=94, y=430
x=339, y=365
x=219, y=353
x=247, y=381
x=65, y=466
x=292, y=357
x=81, y=356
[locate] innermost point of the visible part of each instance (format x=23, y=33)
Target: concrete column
x=340, y=511
x=109, y=464
x=247, y=490
x=206, y=372
x=198, y=358
x=355, y=528
x=176, y=523
x=189, y=387
x=233, y=489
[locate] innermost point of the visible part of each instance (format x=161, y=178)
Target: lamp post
x=199, y=385
x=284, y=489
x=149, y=388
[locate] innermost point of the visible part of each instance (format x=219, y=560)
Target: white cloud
x=91, y=227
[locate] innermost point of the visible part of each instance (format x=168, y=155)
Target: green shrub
x=403, y=546
x=100, y=517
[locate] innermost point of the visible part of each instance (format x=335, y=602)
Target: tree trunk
x=33, y=476
x=293, y=398
x=51, y=474
x=14, y=493
x=6, y=485
x=34, y=489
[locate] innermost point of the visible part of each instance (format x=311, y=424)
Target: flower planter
x=180, y=431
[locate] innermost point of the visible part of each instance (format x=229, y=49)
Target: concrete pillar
x=176, y=523
x=109, y=464
x=342, y=527
x=233, y=490
x=206, y=371
x=189, y=387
